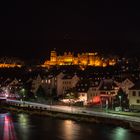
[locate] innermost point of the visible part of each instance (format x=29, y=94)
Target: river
x=28, y=127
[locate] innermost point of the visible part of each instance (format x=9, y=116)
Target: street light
x=120, y=97
x=22, y=91
x=106, y=104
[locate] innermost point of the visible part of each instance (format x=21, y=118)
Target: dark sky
x=31, y=29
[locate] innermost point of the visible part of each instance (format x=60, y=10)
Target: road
x=78, y=110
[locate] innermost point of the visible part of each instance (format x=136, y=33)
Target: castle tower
x=53, y=56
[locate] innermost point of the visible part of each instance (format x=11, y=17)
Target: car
x=126, y=109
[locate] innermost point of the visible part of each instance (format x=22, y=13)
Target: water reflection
x=29, y=127
x=23, y=119
x=70, y=130
x=23, y=126
x=120, y=133
x=8, y=130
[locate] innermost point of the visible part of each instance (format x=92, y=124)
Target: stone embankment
x=83, y=116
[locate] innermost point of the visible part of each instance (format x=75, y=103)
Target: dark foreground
x=29, y=127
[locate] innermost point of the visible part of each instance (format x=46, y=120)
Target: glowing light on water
x=120, y=134
x=70, y=130
x=8, y=131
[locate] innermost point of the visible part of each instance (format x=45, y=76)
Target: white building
x=134, y=96
x=86, y=90
x=65, y=82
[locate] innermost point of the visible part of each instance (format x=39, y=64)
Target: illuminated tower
x=53, y=56
x=91, y=59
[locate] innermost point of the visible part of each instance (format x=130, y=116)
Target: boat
x=135, y=126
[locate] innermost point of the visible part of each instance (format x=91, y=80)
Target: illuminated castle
x=84, y=59
x=10, y=62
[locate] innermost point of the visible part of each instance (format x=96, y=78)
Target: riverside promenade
x=122, y=116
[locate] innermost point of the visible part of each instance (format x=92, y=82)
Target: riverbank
x=63, y=115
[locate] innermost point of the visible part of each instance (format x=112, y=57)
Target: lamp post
x=120, y=97
x=106, y=104
x=101, y=102
x=112, y=103
x=70, y=100
x=50, y=97
x=22, y=92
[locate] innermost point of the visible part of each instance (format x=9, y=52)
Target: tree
x=121, y=99
x=71, y=94
x=40, y=93
x=30, y=95
x=23, y=93
x=53, y=93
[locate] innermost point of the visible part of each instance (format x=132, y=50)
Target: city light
x=84, y=59
x=9, y=131
x=69, y=70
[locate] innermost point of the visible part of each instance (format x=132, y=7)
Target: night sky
x=30, y=30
